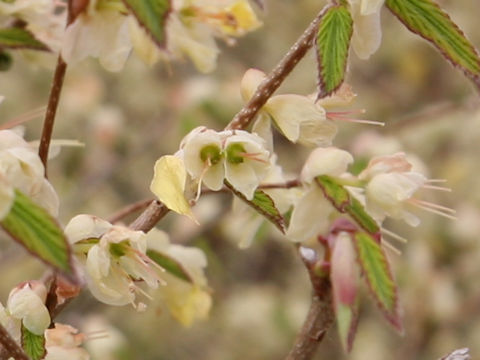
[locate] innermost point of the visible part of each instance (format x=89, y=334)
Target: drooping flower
x=63, y=342
x=22, y=169
x=114, y=258
x=246, y=162
x=298, y=117
x=243, y=222
x=187, y=300
x=310, y=216
x=234, y=156
x=204, y=157
x=100, y=31
x=391, y=186
x=191, y=30
x=26, y=303
x=367, y=32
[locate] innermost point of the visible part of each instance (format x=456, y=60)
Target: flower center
x=119, y=249
x=235, y=153
x=211, y=154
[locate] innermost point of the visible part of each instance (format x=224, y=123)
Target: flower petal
x=309, y=216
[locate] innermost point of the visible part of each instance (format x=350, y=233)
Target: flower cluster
x=387, y=187
x=104, y=31
x=117, y=260
x=26, y=311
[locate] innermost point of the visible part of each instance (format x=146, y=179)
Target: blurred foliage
x=261, y=294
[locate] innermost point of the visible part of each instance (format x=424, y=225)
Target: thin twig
x=51, y=111
x=319, y=318
x=10, y=347
x=271, y=83
x=150, y=216
x=128, y=210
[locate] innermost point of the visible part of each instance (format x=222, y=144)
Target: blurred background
x=127, y=120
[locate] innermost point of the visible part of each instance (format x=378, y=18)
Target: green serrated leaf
x=32, y=344
x=264, y=205
x=170, y=264
x=17, y=38
x=378, y=276
x=152, y=16
x=427, y=19
x=332, y=44
x=34, y=228
x=344, y=202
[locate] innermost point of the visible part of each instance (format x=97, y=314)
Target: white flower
x=27, y=303
x=246, y=162
x=203, y=157
x=100, y=32
x=299, y=118
x=62, y=342
x=243, y=222
x=310, y=216
x=235, y=156
x=190, y=300
x=325, y=161
x=115, y=260
x=367, y=32
x=191, y=30
x=22, y=169
x=388, y=194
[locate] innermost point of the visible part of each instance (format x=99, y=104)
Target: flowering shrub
x=335, y=211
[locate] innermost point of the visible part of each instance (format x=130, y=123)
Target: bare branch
x=51, y=111
x=10, y=347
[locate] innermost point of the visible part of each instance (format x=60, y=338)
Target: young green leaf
x=332, y=44
x=170, y=264
x=264, y=205
x=152, y=16
x=378, y=276
x=17, y=38
x=346, y=203
x=32, y=344
x=427, y=19
x=34, y=228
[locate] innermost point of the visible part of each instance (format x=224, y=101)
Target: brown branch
x=10, y=347
x=319, y=318
x=51, y=111
x=150, y=217
x=128, y=210
x=271, y=83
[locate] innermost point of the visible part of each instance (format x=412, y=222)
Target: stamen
x=96, y=335
x=143, y=292
x=439, y=188
x=253, y=156
x=394, y=235
x=436, y=181
x=342, y=117
x=438, y=212
x=434, y=206
x=30, y=115
x=208, y=164
x=392, y=248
